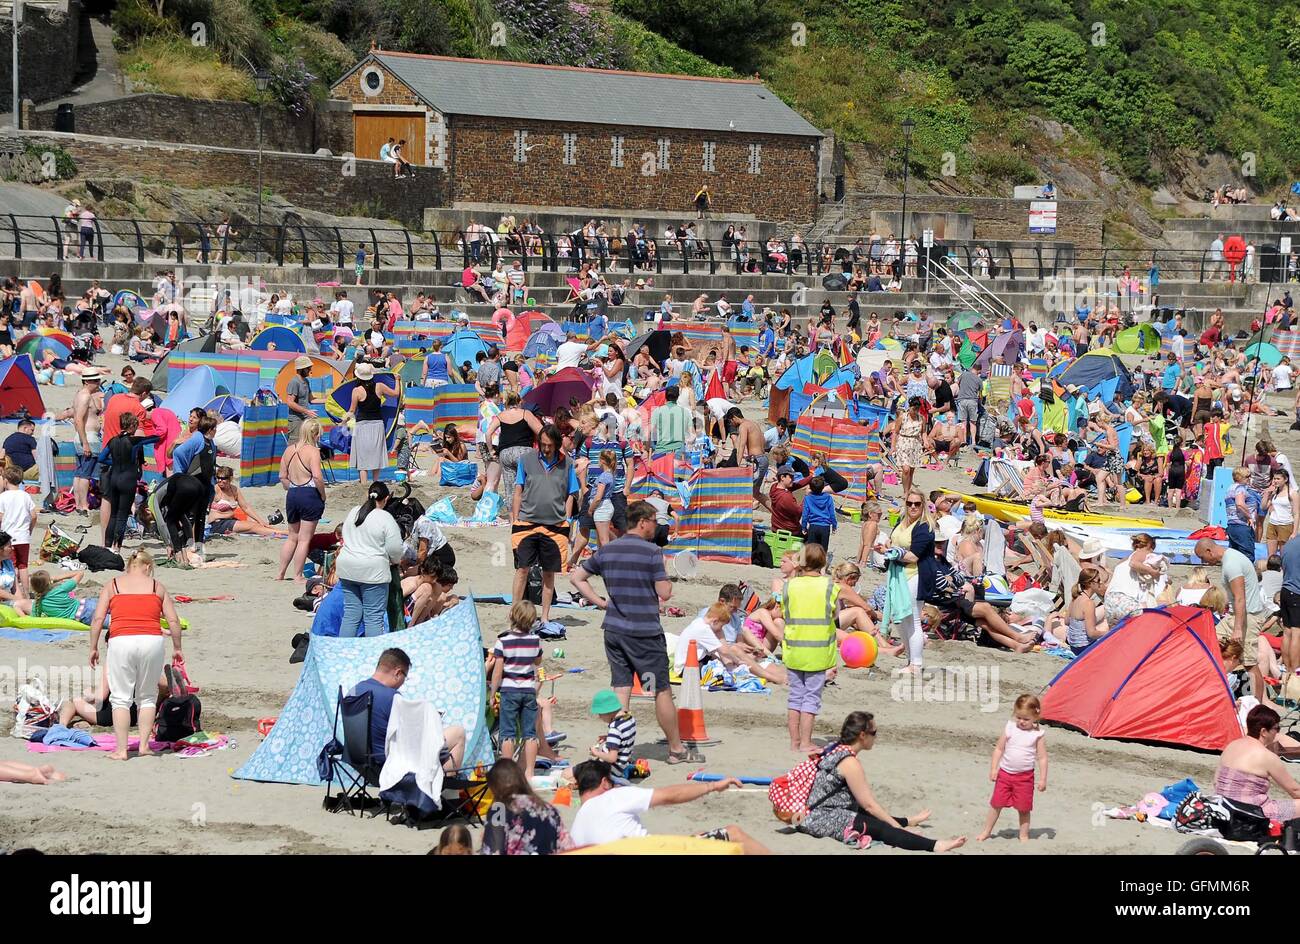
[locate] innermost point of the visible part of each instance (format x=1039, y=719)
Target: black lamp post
x=908, y=127
x=262, y=80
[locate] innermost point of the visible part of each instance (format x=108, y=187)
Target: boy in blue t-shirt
x=818, y=519
x=1173, y=370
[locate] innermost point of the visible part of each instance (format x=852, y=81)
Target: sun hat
x=605, y=701
x=1092, y=547
x=949, y=528
x=91, y=374
x=365, y=370
x=301, y=362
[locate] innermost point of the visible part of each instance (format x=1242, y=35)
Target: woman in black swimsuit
x=304, y=501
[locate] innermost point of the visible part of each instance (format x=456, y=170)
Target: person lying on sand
x=12, y=771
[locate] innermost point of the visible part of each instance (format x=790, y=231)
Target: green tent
x=963, y=320
x=824, y=365
x=1139, y=339
x=968, y=353
x=1269, y=355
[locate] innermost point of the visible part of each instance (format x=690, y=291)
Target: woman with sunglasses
x=853, y=617
x=913, y=536
x=842, y=806
x=230, y=512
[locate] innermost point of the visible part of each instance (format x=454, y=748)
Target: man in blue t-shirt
x=390, y=674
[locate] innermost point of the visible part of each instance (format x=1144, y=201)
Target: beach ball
x=530, y=301
x=858, y=650
x=996, y=589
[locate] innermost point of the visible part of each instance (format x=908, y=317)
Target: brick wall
x=155, y=117
x=315, y=183
x=484, y=169
x=47, y=53
x=1077, y=221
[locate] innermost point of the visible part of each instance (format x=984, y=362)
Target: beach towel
x=35, y=635
x=56, y=735
x=898, y=597
x=103, y=742
x=411, y=746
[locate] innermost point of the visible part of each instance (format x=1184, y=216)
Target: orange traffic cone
x=637, y=690
x=690, y=713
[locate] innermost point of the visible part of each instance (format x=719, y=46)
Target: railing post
x=18, y=239
x=302, y=236
x=374, y=244
x=785, y=244
x=99, y=238
x=713, y=261
x=523, y=252
x=1201, y=275
x=437, y=251
x=1038, y=253
x=686, y=258
x=281, y=235
x=338, y=240
x=1104, y=254
x=58, y=239
x=139, y=243
x=180, y=246
x=410, y=250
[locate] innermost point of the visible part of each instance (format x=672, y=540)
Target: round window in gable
x=372, y=81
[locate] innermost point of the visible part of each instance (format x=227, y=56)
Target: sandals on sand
x=688, y=756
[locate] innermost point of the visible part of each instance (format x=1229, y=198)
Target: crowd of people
x=566, y=477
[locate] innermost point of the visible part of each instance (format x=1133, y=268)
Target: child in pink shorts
x=1020, y=748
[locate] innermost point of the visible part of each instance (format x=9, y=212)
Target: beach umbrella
x=659, y=344
x=892, y=345
x=963, y=320
x=37, y=344
x=128, y=298
x=556, y=391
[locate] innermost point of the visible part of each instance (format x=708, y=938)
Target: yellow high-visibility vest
x=809, y=605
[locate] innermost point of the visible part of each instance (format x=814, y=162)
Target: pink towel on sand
x=103, y=742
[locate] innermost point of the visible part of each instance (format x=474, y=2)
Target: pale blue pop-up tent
x=198, y=387
x=446, y=669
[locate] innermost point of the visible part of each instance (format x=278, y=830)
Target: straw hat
x=301, y=362
x=364, y=370
x=92, y=374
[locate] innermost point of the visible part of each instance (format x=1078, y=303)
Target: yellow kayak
x=1012, y=511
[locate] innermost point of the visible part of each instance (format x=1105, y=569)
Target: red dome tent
x=19, y=394
x=1156, y=677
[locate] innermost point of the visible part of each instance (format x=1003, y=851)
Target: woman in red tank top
x=136, y=654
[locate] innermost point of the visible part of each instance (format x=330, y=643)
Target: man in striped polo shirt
x=632, y=568
x=546, y=487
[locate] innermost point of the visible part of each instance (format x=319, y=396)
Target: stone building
x=508, y=132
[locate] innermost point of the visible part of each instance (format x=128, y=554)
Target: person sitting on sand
x=1248, y=764
x=56, y=599
x=842, y=806
x=706, y=634
x=230, y=511
x=94, y=706
x=609, y=812
x=383, y=686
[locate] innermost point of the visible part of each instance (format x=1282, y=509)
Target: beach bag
x=100, y=558
x=788, y=793
x=56, y=545
x=533, y=591
x=179, y=716
x=458, y=473
x=443, y=512
x=487, y=510
x=65, y=502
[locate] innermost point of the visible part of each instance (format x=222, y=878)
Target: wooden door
x=372, y=129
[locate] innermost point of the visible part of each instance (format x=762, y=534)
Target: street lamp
x=262, y=79
x=908, y=127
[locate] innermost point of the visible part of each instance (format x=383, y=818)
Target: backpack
x=100, y=558
x=533, y=590
x=179, y=715
x=788, y=793
x=1243, y=822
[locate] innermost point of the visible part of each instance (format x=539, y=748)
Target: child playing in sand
x=615, y=745
x=706, y=634
x=1020, y=748
x=514, y=674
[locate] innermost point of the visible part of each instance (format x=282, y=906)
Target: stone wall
x=154, y=117
x=311, y=182
x=485, y=170
x=1077, y=221
x=47, y=52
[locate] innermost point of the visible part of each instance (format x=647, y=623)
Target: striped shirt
x=592, y=448
x=621, y=737
x=519, y=653
x=630, y=567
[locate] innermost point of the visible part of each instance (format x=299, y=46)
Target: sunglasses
x=915, y=504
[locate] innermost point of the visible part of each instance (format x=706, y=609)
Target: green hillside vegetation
x=1143, y=83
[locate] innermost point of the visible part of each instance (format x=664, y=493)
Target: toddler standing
x=1020, y=748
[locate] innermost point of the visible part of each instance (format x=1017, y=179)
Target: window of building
x=616, y=151
x=756, y=158
x=665, y=151
x=521, y=147
x=570, y=148
x=710, y=155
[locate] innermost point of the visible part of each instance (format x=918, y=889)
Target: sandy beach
x=932, y=751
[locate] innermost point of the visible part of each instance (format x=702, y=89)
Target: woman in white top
x=1283, y=504
x=1138, y=582
x=372, y=544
